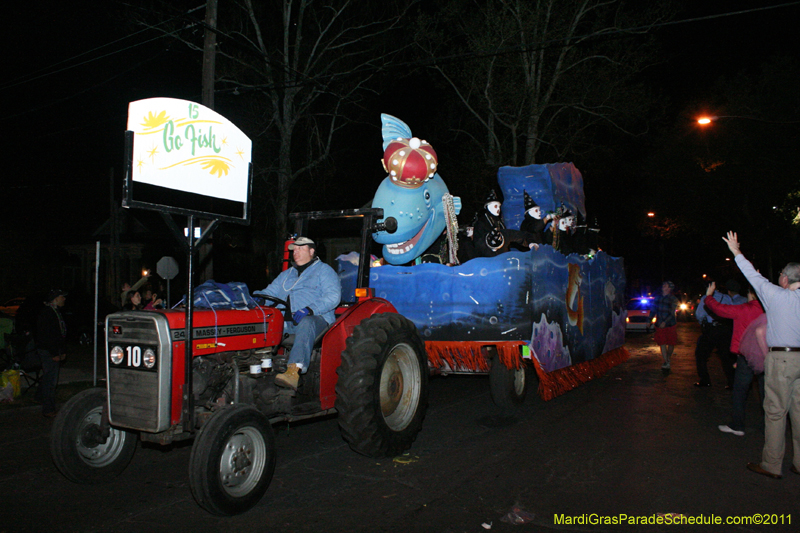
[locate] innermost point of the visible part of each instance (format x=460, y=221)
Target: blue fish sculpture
x=416, y=203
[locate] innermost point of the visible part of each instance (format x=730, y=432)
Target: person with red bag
x=742, y=315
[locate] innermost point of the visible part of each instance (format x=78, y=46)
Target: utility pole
x=209, y=54
x=206, y=261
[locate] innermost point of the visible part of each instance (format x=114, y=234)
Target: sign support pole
x=191, y=247
x=188, y=396
x=96, y=307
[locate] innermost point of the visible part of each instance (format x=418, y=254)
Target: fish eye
x=427, y=195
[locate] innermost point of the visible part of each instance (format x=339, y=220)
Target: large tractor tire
x=382, y=391
x=232, y=461
x=77, y=447
x=508, y=386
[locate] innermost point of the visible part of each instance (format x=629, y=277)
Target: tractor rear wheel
x=382, y=392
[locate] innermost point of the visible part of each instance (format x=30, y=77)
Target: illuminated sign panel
x=185, y=146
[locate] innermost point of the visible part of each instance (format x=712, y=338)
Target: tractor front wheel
x=79, y=449
x=232, y=461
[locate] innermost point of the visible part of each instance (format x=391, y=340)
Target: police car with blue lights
x=638, y=318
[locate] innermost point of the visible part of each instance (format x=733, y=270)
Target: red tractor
x=370, y=367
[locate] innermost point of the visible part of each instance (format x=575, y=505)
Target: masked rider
x=533, y=224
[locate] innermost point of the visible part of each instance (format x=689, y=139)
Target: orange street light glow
x=651, y=214
x=704, y=120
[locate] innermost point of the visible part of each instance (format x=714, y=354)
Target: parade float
x=562, y=314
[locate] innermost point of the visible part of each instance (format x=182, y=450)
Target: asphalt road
x=634, y=442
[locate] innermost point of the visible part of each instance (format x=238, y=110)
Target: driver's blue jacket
x=318, y=288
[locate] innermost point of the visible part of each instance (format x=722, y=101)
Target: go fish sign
x=186, y=146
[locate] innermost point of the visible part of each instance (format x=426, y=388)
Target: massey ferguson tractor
x=370, y=367
x=503, y=316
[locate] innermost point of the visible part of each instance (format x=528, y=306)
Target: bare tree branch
x=528, y=69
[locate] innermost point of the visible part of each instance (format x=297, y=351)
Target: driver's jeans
x=304, y=335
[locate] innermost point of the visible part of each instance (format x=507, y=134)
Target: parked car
x=11, y=306
x=639, y=314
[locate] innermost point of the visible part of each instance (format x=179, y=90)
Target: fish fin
x=392, y=128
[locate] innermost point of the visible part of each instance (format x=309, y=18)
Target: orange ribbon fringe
x=468, y=355
x=471, y=356
x=557, y=382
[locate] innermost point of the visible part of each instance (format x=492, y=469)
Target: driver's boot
x=289, y=378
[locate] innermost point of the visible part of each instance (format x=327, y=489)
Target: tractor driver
x=313, y=291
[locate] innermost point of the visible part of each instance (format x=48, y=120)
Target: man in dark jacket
x=716, y=333
x=51, y=333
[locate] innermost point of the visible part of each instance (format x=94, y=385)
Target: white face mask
x=493, y=208
x=535, y=212
x=571, y=222
x=562, y=224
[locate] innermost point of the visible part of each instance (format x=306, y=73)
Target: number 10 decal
x=134, y=356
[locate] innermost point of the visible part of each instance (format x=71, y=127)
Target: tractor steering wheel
x=274, y=299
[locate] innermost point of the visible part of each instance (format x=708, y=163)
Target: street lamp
x=659, y=237
x=706, y=119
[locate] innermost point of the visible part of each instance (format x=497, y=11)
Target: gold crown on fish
x=410, y=162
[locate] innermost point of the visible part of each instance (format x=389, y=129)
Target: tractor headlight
x=117, y=353
x=149, y=358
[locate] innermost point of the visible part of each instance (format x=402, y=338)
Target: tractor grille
x=139, y=397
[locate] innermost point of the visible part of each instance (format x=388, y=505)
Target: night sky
x=71, y=68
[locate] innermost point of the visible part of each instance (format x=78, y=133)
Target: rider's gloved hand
x=301, y=314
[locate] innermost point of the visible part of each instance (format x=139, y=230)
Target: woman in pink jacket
x=742, y=315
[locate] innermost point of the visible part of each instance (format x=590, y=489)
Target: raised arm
x=732, y=241
x=761, y=285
